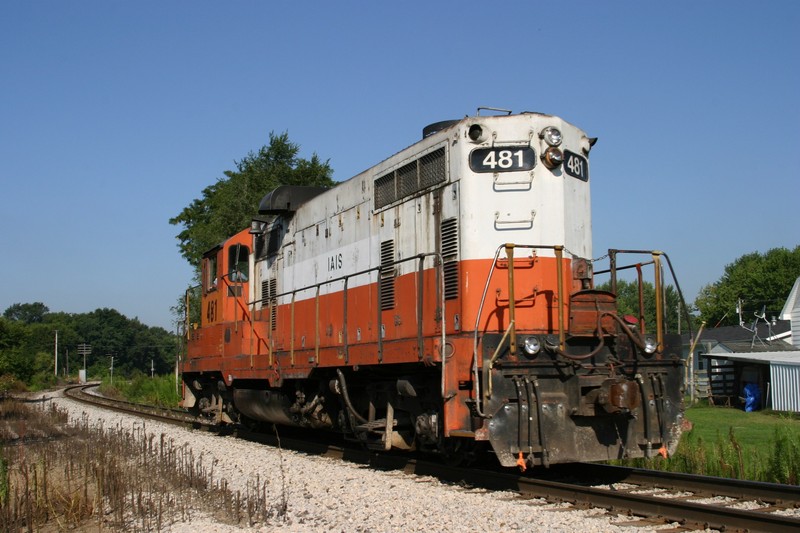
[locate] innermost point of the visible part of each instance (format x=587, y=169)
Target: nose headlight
x=551, y=136
x=650, y=344
x=531, y=345
x=552, y=157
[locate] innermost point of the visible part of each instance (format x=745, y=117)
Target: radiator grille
x=432, y=169
x=384, y=190
x=413, y=177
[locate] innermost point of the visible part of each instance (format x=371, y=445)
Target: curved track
x=656, y=498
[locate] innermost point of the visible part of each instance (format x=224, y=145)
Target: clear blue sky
x=115, y=115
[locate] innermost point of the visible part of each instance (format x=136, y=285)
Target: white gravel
x=328, y=495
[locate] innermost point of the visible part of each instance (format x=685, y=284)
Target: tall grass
x=159, y=390
x=124, y=479
x=732, y=444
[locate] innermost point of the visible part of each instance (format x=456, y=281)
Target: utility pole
x=55, y=357
x=112, y=370
x=84, y=350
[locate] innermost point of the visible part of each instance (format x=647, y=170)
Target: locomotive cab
x=225, y=272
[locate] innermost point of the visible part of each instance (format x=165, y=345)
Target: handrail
x=438, y=265
x=246, y=315
x=509, y=247
x=656, y=255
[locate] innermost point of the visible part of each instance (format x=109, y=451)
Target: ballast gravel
x=323, y=494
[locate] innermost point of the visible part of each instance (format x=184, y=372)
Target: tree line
x=28, y=345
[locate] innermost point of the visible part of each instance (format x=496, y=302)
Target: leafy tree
x=760, y=281
x=26, y=349
x=28, y=313
x=628, y=303
x=228, y=205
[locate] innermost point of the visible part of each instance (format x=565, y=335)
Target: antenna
x=754, y=328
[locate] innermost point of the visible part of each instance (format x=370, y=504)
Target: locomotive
x=443, y=300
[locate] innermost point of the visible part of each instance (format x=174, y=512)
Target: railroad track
x=644, y=498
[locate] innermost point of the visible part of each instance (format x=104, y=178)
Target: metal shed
x=777, y=373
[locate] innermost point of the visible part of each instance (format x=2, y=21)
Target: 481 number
x=503, y=159
x=576, y=166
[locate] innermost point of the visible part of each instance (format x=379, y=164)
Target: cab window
x=238, y=263
x=210, y=273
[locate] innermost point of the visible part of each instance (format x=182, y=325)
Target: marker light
x=475, y=133
x=551, y=136
x=650, y=344
x=552, y=157
x=531, y=345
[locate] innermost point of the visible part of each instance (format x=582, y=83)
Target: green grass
x=754, y=431
x=725, y=442
x=158, y=390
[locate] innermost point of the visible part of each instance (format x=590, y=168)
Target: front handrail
x=511, y=331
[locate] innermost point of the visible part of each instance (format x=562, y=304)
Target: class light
x=551, y=136
x=531, y=345
x=650, y=344
x=552, y=157
x=475, y=133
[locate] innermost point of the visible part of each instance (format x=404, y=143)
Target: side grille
x=450, y=257
x=269, y=289
x=451, y=280
x=387, y=275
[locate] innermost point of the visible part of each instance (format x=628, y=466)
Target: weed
x=120, y=478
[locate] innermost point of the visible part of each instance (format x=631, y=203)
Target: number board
x=502, y=159
x=576, y=165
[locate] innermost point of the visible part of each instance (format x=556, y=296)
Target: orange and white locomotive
x=441, y=300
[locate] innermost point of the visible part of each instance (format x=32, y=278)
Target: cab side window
x=238, y=263
x=210, y=273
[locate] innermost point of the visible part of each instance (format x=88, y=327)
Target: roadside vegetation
x=726, y=442
x=58, y=476
x=161, y=391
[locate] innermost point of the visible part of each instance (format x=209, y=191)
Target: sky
x=115, y=115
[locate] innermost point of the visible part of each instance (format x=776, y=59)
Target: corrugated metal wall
x=785, y=387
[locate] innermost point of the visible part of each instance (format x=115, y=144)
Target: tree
x=759, y=281
x=228, y=205
x=27, y=313
x=26, y=349
x=628, y=303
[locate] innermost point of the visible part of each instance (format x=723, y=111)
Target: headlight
x=531, y=345
x=552, y=157
x=650, y=344
x=551, y=136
